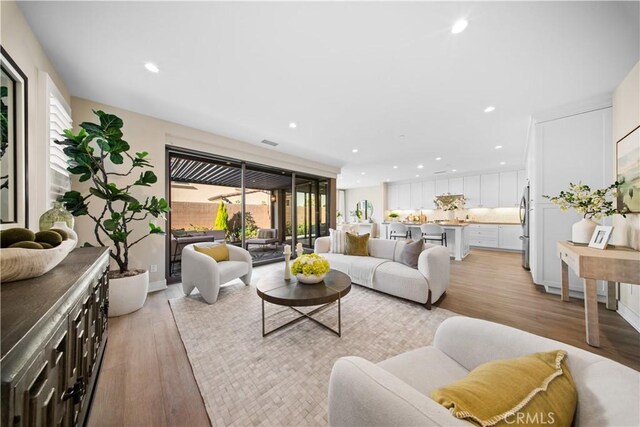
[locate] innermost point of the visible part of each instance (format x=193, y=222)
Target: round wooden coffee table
x=291, y=293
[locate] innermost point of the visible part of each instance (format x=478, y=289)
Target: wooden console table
x=612, y=265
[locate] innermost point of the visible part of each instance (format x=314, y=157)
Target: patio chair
x=265, y=236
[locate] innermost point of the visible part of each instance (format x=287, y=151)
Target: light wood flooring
x=146, y=378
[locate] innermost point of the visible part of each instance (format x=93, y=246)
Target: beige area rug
x=282, y=379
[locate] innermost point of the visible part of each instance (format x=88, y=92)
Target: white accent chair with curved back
x=203, y=272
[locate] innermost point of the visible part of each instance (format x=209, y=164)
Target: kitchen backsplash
x=475, y=214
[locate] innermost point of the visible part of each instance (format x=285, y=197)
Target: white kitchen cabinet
x=471, y=191
x=404, y=196
x=392, y=197
x=483, y=235
x=508, y=189
x=428, y=194
x=442, y=186
x=416, y=195
x=456, y=186
x=490, y=190
x=509, y=237
x=522, y=181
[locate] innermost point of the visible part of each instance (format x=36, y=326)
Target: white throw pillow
x=338, y=241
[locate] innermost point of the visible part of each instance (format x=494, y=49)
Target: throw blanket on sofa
x=360, y=269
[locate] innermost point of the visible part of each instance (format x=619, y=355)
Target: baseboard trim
x=632, y=318
x=157, y=286
x=552, y=288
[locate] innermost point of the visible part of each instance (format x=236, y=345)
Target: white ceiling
x=351, y=75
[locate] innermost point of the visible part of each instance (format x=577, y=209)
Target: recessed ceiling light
x=453, y=170
x=459, y=26
x=363, y=173
x=401, y=136
x=503, y=163
x=388, y=180
x=358, y=181
x=151, y=67
x=420, y=166
x=417, y=175
x=497, y=147
x=489, y=109
x=355, y=150
x=293, y=125
x=438, y=158
x=395, y=167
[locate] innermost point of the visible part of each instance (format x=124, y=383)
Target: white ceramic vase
x=451, y=215
x=128, y=294
x=310, y=279
x=582, y=230
x=62, y=225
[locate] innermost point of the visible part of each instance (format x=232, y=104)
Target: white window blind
x=59, y=120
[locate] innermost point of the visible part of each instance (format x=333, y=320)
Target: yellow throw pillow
x=357, y=245
x=536, y=389
x=219, y=252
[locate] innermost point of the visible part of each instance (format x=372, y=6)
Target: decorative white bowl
x=20, y=263
x=311, y=279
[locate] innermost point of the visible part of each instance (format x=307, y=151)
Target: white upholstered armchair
x=203, y=272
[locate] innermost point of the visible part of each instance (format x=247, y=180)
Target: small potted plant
x=590, y=203
x=393, y=216
x=101, y=157
x=310, y=268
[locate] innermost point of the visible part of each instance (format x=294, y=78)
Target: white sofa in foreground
x=396, y=392
x=383, y=272
x=203, y=272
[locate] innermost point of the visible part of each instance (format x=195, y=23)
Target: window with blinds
x=59, y=119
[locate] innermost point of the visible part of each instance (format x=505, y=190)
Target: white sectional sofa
x=383, y=272
x=396, y=391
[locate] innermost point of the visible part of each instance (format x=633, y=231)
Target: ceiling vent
x=267, y=142
x=439, y=172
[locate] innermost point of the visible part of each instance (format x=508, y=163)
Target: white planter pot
x=582, y=230
x=128, y=294
x=311, y=279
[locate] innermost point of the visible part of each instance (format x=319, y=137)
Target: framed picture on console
x=600, y=237
x=13, y=144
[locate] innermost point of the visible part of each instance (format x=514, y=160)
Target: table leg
x=339, y=320
x=591, y=313
x=564, y=292
x=263, y=334
x=612, y=297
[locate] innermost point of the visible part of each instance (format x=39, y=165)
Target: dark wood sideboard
x=54, y=332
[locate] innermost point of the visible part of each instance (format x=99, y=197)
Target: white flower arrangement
x=449, y=202
x=590, y=203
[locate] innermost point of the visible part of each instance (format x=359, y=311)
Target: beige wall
x=626, y=117
x=22, y=45
x=151, y=134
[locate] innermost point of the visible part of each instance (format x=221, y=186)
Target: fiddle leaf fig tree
x=98, y=154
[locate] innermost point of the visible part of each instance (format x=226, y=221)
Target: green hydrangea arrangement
x=310, y=264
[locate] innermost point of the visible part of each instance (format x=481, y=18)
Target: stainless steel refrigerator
x=524, y=221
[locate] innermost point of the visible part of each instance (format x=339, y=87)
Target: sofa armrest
x=198, y=269
x=363, y=394
x=434, y=264
x=322, y=245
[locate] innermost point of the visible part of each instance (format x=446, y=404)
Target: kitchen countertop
x=416, y=224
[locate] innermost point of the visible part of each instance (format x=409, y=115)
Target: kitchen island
x=457, y=236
